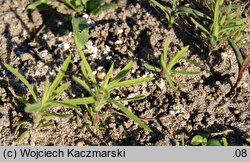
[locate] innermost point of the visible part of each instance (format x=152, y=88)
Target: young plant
x=101, y=93
x=166, y=66
x=39, y=108
x=172, y=14
x=91, y=7
x=227, y=23
x=204, y=140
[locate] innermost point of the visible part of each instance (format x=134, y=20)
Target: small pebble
x=118, y=42
x=91, y=49
x=107, y=49
x=119, y=31
x=64, y=46
x=160, y=83
x=108, y=57
x=101, y=73
x=236, y=112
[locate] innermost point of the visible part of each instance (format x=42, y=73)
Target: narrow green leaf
x=22, y=136
x=176, y=58
x=80, y=101
x=237, y=38
x=59, y=90
x=84, y=72
x=84, y=84
x=21, y=99
x=103, y=8
x=20, y=124
x=229, y=8
x=200, y=26
x=163, y=62
x=45, y=125
x=21, y=77
x=32, y=108
x=35, y=4
x=79, y=43
x=221, y=2
x=241, y=21
x=165, y=50
x=185, y=72
x=86, y=79
x=50, y=116
x=237, y=52
x=123, y=72
x=59, y=77
x=232, y=16
x=107, y=77
x=171, y=83
x=243, y=67
x=46, y=90
x=128, y=83
x=62, y=103
x=228, y=28
x=223, y=20
x=174, y=5
x=130, y=114
x=164, y=9
x=193, y=12
x=216, y=27
x=152, y=68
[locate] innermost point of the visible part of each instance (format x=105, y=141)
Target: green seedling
x=101, y=93
x=173, y=13
x=227, y=23
x=166, y=69
x=204, y=140
x=39, y=108
x=91, y=7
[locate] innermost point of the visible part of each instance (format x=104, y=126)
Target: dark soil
x=134, y=30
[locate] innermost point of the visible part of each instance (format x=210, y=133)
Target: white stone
x=64, y=46
x=107, y=49
x=91, y=49
x=108, y=57
x=119, y=31
x=160, y=83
